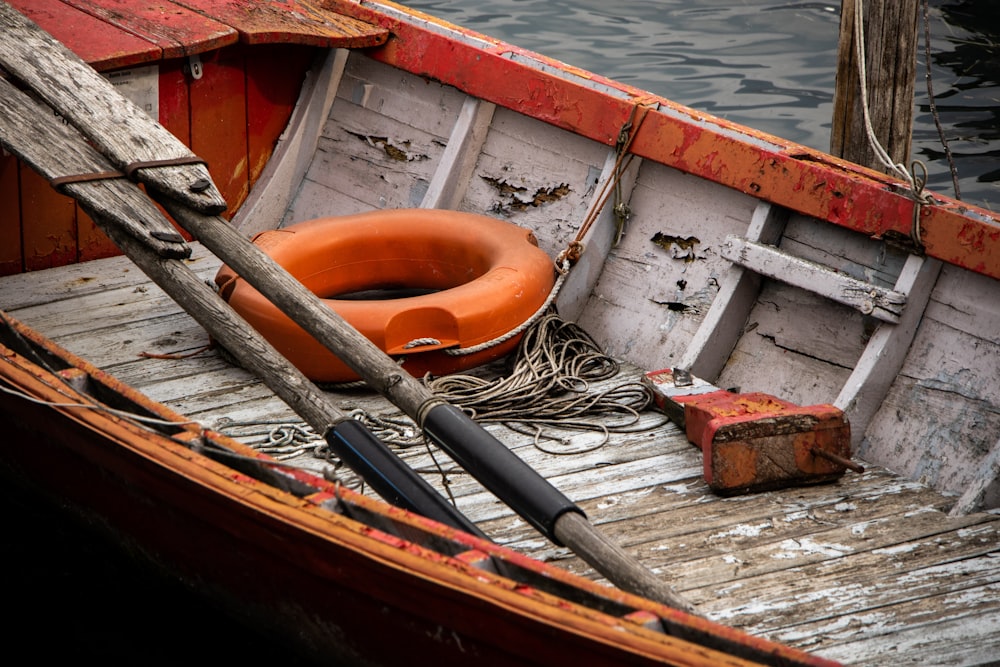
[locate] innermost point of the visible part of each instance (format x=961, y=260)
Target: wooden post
x=890, y=30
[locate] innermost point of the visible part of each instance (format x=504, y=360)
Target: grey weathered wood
x=119, y=128
x=865, y=390
x=451, y=178
x=280, y=181
x=850, y=567
x=305, y=308
x=715, y=339
x=659, y=509
x=33, y=141
x=383, y=374
x=766, y=260
x=54, y=151
x=985, y=478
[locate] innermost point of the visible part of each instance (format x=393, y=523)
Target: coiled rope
x=556, y=382
x=560, y=384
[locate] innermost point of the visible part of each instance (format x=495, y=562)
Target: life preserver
x=485, y=277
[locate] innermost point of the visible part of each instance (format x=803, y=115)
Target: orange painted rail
x=776, y=170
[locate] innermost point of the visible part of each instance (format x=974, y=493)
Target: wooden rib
x=450, y=180
x=716, y=337
x=987, y=476
x=266, y=205
x=879, y=364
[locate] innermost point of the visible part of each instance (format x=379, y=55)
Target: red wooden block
x=755, y=441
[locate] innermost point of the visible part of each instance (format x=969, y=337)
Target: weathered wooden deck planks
x=870, y=570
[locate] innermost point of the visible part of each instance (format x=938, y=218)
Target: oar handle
x=497, y=468
x=391, y=478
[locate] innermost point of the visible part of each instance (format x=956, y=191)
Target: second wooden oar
x=468, y=443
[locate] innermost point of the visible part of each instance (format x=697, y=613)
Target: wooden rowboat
x=837, y=505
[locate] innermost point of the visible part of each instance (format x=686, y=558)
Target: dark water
x=767, y=64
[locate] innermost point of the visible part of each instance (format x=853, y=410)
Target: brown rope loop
x=626, y=135
x=133, y=167
x=60, y=181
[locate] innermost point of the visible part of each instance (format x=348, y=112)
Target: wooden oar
x=486, y=458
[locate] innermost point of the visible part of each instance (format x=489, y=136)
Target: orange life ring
x=485, y=277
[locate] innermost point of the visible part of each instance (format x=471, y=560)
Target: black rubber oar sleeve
x=497, y=468
x=391, y=478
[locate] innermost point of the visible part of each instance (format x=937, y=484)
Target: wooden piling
x=890, y=31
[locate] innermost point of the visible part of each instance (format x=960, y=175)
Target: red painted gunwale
x=773, y=169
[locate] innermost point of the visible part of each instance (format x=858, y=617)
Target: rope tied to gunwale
x=570, y=255
x=915, y=182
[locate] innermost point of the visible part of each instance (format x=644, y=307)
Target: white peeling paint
x=806, y=546
x=742, y=530
x=898, y=549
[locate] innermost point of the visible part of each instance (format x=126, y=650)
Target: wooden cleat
x=754, y=441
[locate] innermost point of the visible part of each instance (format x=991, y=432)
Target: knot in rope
x=919, y=200
x=568, y=257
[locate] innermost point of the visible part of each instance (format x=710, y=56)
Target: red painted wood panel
x=290, y=22
x=91, y=242
x=101, y=44
x=177, y=31
x=219, y=122
x=50, y=231
x=40, y=228
x=274, y=76
x=175, y=104
x=10, y=216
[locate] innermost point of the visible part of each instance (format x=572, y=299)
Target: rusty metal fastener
x=200, y=185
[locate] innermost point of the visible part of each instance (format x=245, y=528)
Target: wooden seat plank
x=290, y=22
x=102, y=45
x=176, y=30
